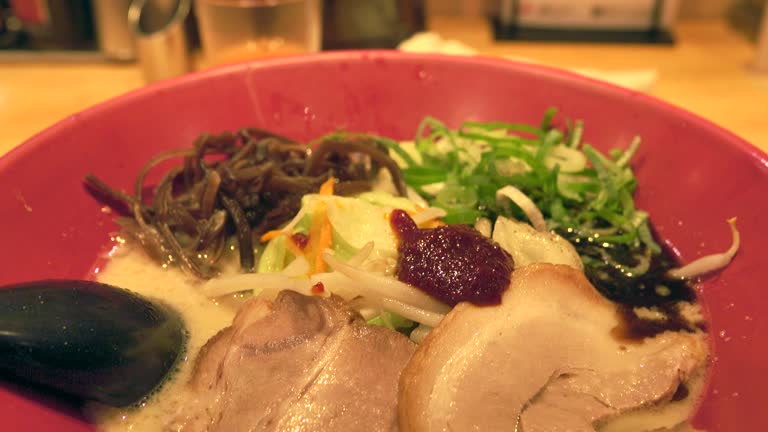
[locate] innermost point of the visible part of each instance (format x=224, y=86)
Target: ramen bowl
x=692, y=175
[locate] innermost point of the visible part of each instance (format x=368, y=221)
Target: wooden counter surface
x=706, y=72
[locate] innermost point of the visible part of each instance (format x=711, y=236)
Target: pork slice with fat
x=543, y=360
x=301, y=364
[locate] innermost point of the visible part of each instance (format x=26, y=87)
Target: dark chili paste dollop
x=453, y=263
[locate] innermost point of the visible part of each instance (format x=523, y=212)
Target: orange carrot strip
x=293, y=247
x=327, y=187
x=269, y=235
x=314, y=249
x=326, y=235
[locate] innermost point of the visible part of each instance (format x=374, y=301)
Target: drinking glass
x=233, y=31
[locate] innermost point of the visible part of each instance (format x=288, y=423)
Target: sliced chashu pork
x=543, y=360
x=301, y=364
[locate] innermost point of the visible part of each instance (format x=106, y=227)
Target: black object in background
x=514, y=30
x=47, y=25
x=350, y=24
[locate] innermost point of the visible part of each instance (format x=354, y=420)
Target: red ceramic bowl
x=692, y=175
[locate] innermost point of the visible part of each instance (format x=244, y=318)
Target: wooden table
x=706, y=72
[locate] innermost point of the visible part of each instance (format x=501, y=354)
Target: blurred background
x=60, y=56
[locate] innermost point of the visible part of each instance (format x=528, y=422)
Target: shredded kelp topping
x=236, y=186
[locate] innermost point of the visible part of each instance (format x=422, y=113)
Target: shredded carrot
x=323, y=244
x=269, y=235
x=293, y=247
x=289, y=244
x=315, y=225
x=320, y=232
x=320, y=236
x=327, y=187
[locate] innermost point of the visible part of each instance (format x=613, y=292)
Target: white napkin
x=429, y=42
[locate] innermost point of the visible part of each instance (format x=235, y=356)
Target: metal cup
x=162, y=44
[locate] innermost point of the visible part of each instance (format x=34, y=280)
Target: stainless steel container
x=162, y=44
x=113, y=32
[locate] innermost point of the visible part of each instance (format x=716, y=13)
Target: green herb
x=392, y=321
x=584, y=195
x=582, y=192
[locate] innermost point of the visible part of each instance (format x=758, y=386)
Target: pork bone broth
x=132, y=269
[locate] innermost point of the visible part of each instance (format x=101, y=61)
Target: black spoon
x=87, y=339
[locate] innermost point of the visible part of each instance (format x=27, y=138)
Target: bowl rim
x=730, y=139
x=724, y=139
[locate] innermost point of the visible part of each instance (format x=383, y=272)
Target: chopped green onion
x=574, y=185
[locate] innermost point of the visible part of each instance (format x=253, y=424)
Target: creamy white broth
x=130, y=268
